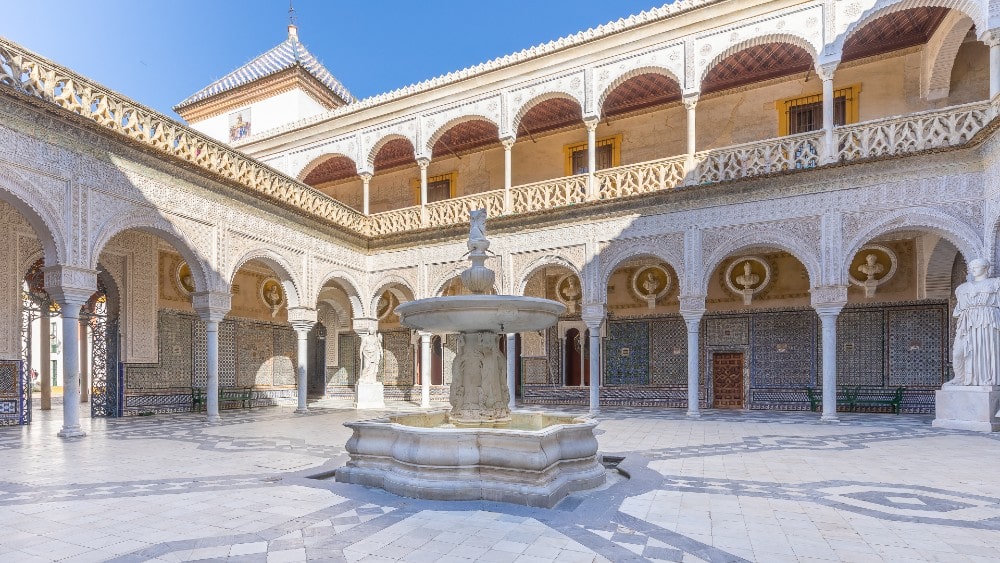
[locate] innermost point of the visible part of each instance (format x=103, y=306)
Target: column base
x=71, y=432
x=214, y=418
x=370, y=396
x=302, y=410
x=694, y=414
x=967, y=407
x=829, y=418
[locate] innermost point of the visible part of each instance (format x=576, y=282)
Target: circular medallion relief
x=747, y=276
x=183, y=278
x=272, y=294
x=873, y=263
x=651, y=283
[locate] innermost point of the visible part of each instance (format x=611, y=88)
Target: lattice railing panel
x=635, y=179
x=794, y=152
x=910, y=133
x=395, y=221
x=549, y=194
x=455, y=211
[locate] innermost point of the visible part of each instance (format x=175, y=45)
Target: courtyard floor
x=731, y=486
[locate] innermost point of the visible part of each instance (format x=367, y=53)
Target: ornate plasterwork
x=668, y=60
x=651, y=283
x=405, y=279
x=852, y=15
x=798, y=237
x=522, y=99
x=668, y=247
x=437, y=122
x=525, y=264
x=878, y=267
x=373, y=138
x=800, y=26
x=301, y=162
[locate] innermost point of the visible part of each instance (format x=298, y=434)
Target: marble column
x=302, y=329
x=591, y=157
x=693, y=321
x=425, y=369
x=511, y=368
x=70, y=308
x=84, y=361
x=828, y=317
x=595, y=366
x=830, y=147
x=508, y=203
x=366, y=178
x=45, y=360
x=423, y=163
x=690, y=103
x=212, y=307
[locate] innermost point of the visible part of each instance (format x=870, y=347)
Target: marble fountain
x=479, y=449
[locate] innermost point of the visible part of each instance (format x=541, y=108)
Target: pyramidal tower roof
x=288, y=54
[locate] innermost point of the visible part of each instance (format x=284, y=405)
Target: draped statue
x=976, y=355
x=371, y=356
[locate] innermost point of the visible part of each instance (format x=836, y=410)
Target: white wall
x=265, y=114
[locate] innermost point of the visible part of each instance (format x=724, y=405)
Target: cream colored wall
x=970, y=76
x=350, y=192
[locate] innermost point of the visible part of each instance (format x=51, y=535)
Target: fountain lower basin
x=535, y=460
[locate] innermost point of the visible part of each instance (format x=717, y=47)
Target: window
x=804, y=114
x=607, y=154
x=439, y=187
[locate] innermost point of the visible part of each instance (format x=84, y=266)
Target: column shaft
x=302, y=369
x=994, y=69
x=693, y=352
x=508, y=204
x=45, y=360
x=511, y=368
x=591, y=160
x=212, y=359
x=423, y=191
x=595, y=369
x=84, y=362
x=425, y=370
x=366, y=179
x=71, y=370
x=828, y=139
x=829, y=321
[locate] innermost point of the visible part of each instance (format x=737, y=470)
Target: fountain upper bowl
x=480, y=313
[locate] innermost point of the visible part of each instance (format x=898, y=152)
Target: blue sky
x=159, y=52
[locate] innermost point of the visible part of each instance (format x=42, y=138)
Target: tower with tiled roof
x=284, y=84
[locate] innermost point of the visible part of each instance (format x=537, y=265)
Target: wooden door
x=727, y=380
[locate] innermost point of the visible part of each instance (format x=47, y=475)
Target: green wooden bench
x=879, y=399
x=241, y=395
x=845, y=398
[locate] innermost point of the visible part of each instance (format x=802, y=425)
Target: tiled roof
x=286, y=55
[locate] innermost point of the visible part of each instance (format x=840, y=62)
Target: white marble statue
x=371, y=356
x=976, y=356
x=477, y=225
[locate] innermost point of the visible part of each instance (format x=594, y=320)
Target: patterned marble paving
x=732, y=486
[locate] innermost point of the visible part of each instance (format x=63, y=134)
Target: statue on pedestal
x=976, y=356
x=371, y=356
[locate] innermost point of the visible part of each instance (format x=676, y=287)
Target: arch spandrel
x=971, y=8
x=290, y=278
x=547, y=261
x=347, y=282
x=804, y=41
x=44, y=217
x=386, y=282
x=439, y=130
x=518, y=112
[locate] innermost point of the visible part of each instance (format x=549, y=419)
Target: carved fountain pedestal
x=479, y=449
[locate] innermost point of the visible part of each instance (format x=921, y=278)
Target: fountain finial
x=478, y=278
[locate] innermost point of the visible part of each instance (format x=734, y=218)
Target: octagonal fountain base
x=535, y=460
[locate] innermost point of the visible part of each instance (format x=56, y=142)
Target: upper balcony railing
x=39, y=78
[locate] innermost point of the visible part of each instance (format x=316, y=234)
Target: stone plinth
x=370, y=396
x=536, y=461
x=967, y=407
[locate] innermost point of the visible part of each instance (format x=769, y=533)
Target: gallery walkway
x=731, y=486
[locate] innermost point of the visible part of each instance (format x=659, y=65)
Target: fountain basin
x=480, y=313
x=535, y=460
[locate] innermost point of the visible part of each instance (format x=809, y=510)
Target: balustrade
x=635, y=179
x=549, y=194
x=794, y=152
x=455, y=211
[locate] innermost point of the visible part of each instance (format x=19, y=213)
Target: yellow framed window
x=608, y=154
x=440, y=187
x=805, y=113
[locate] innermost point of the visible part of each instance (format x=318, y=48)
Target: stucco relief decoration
x=569, y=292
x=273, y=295
x=183, y=278
x=650, y=284
x=872, y=266
x=747, y=276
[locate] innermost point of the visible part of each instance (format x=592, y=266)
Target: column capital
x=692, y=307
x=302, y=315
x=826, y=70
x=212, y=306
x=424, y=334
x=691, y=100
x=507, y=142
x=991, y=37
x=423, y=162
x=828, y=300
x=361, y=325
x=593, y=315
x=591, y=121
x=366, y=176
x=70, y=286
